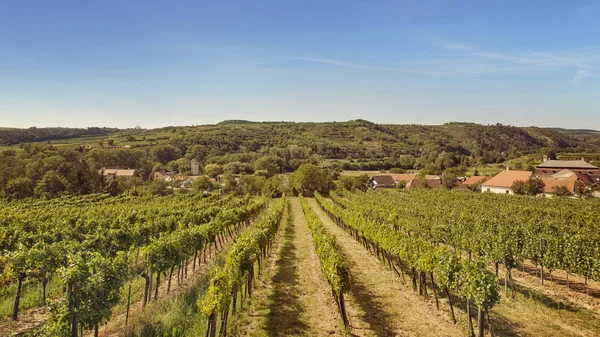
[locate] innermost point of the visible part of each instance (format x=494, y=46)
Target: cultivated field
x=344, y=265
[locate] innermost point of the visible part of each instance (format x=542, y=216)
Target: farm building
x=551, y=183
x=161, y=175
x=111, y=174
x=383, y=181
x=407, y=178
x=502, y=182
x=587, y=173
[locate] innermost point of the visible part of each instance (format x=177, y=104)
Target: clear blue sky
x=156, y=63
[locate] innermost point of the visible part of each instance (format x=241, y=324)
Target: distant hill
x=10, y=136
x=358, y=139
x=235, y=121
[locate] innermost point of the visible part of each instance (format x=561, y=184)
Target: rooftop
x=579, y=164
x=384, y=180
x=403, y=176
x=474, y=180
x=507, y=178
x=551, y=183
x=117, y=172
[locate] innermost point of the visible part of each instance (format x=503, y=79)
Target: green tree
x=535, y=186
x=519, y=187
x=20, y=188
x=213, y=170
x=158, y=187
x=202, y=184
x=180, y=165
x=449, y=180
x=250, y=184
x=51, y=185
x=275, y=187
x=407, y=162
x=352, y=183
x=345, y=182
x=561, y=191
x=228, y=183
x=309, y=178
x=271, y=164
x=165, y=153
x=237, y=167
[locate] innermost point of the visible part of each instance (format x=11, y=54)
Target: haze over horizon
x=153, y=64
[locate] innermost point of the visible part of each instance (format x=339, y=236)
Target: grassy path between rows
x=379, y=303
x=531, y=313
x=292, y=298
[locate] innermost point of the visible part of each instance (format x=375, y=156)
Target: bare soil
x=28, y=320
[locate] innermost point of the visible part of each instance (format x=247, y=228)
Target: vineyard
x=382, y=263
x=95, y=247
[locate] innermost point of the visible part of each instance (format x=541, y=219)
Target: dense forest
x=10, y=136
x=41, y=162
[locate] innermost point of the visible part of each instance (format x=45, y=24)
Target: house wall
x=495, y=189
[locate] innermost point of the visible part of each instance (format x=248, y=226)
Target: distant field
x=358, y=173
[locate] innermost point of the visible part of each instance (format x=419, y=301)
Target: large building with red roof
x=502, y=182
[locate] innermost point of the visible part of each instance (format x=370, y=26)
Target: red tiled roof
x=588, y=180
x=551, y=183
x=384, y=180
x=507, y=178
x=475, y=179
x=431, y=183
x=403, y=176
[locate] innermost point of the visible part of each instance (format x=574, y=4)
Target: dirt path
x=28, y=320
x=292, y=299
x=379, y=304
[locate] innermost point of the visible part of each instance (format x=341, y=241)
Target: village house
x=161, y=175
x=587, y=173
x=467, y=183
x=411, y=180
x=579, y=167
x=426, y=183
x=470, y=181
x=503, y=181
x=551, y=183
x=403, y=178
x=111, y=174
x=564, y=179
x=383, y=181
